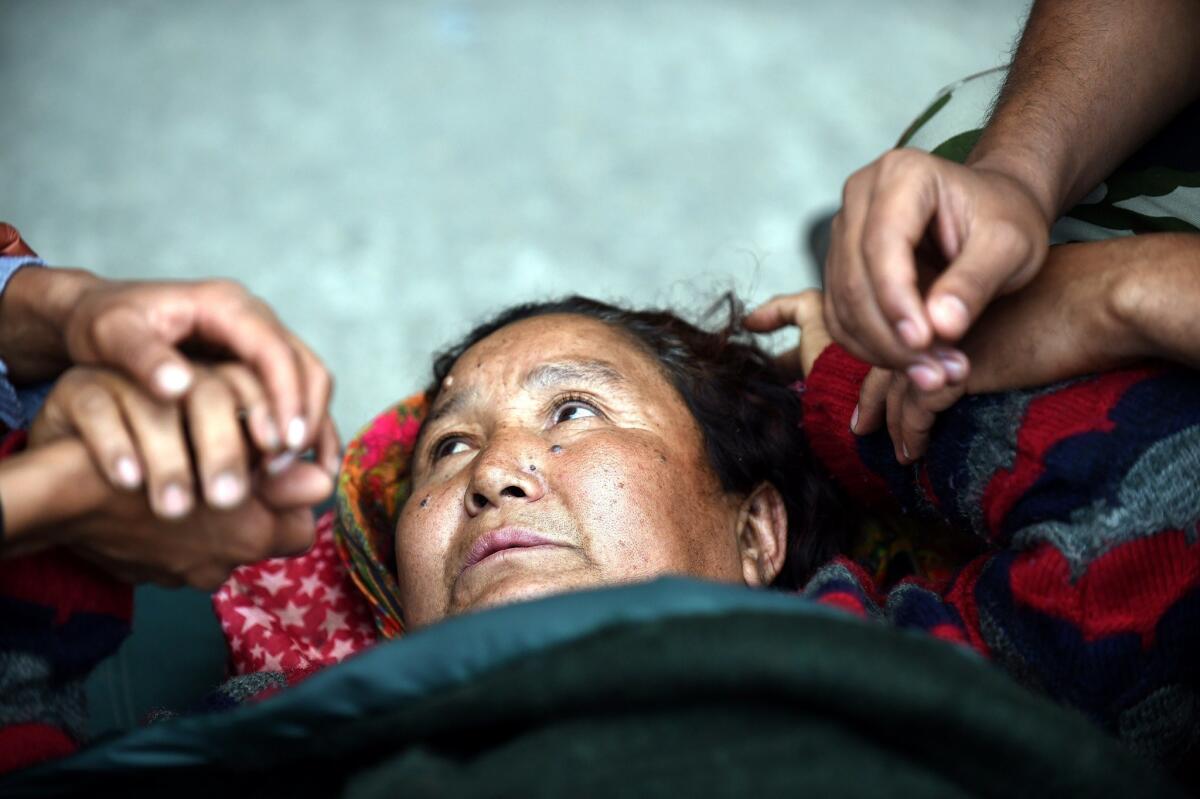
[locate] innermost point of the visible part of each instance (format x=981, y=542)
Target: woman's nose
x=501, y=475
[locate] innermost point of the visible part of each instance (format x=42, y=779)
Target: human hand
x=54, y=496
x=910, y=412
x=134, y=438
x=885, y=395
x=802, y=310
x=126, y=539
x=58, y=316
x=988, y=227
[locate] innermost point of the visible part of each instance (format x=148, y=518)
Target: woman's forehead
x=534, y=352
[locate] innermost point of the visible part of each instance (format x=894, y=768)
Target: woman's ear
x=762, y=535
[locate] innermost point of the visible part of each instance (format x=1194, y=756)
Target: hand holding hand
x=988, y=227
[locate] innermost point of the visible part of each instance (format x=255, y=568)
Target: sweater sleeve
x=17, y=407
x=59, y=617
x=1087, y=494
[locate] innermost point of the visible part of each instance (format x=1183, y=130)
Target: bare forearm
x=1090, y=81
x=1094, y=306
x=1156, y=302
x=45, y=486
x=33, y=313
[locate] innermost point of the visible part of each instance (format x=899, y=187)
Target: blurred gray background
x=387, y=174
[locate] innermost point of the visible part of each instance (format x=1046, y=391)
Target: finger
x=999, y=259
x=318, y=389
x=295, y=532
x=96, y=416
x=786, y=310
x=955, y=365
x=251, y=331
x=217, y=441
x=158, y=434
x=329, y=448
x=895, y=403
x=902, y=206
x=916, y=422
x=122, y=337
x=870, y=412
x=303, y=485
x=920, y=413
x=252, y=399
x=851, y=286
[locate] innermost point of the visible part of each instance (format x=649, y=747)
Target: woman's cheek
x=617, y=493
x=424, y=534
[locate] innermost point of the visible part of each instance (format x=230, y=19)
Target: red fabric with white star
x=292, y=614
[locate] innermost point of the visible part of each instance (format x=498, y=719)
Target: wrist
x=34, y=310
x=1038, y=180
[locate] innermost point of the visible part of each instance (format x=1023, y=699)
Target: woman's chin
x=523, y=587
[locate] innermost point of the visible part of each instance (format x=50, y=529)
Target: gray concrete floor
x=386, y=174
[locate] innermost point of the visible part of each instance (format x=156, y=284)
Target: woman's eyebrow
x=595, y=372
x=449, y=406
x=542, y=376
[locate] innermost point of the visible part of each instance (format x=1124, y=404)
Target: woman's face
x=556, y=457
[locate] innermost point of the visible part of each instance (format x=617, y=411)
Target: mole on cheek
x=532, y=468
x=425, y=502
x=556, y=449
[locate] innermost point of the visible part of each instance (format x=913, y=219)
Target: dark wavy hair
x=748, y=413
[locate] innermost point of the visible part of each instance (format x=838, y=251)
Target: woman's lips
x=504, y=538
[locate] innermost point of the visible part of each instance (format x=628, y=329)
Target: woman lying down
x=573, y=445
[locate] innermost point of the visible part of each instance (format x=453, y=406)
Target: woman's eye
x=574, y=410
x=451, y=446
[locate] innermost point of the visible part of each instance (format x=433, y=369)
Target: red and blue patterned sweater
x=1086, y=495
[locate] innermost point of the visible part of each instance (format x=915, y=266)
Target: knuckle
x=89, y=401
x=875, y=243
x=225, y=289
x=209, y=390
x=854, y=186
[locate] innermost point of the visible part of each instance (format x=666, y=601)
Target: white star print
x=341, y=649
x=333, y=594
x=255, y=617
x=273, y=662
x=334, y=622
x=274, y=582
x=309, y=585
x=292, y=615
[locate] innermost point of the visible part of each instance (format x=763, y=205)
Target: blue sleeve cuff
x=15, y=411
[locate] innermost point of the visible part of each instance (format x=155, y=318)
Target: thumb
x=302, y=485
x=125, y=339
x=984, y=269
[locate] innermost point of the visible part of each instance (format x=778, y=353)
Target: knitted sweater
x=1087, y=496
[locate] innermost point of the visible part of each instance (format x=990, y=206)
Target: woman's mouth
x=504, y=539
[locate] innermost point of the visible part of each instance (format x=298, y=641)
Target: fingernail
x=949, y=312
x=295, y=433
x=925, y=376
x=225, y=490
x=953, y=363
x=910, y=333
x=270, y=432
x=280, y=463
x=854, y=420
x=128, y=473
x=175, y=501
x=904, y=449
x=172, y=378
